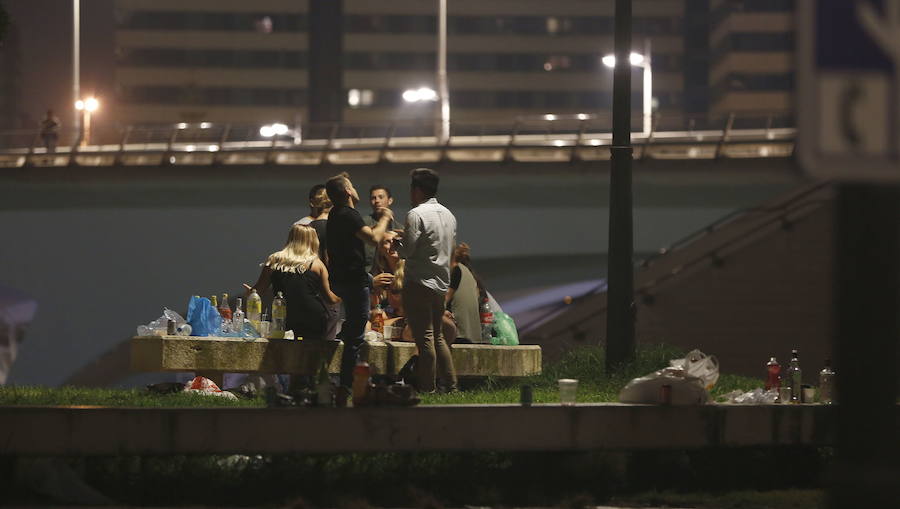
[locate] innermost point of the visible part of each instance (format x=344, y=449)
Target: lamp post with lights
x=642, y=61
x=620, y=315
x=87, y=107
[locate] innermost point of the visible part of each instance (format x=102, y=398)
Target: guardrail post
x=329, y=145
x=126, y=133
x=725, y=132
x=507, y=153
x=649, y=140
x=581, y=128
x=222, y=139
x=387, y=142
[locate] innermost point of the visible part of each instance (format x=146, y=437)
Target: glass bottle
x=237, y=319
x=795, y=377
x=826, y=384
x=279, y=316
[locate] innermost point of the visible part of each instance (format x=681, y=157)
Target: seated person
x=464, y=295
x=297, y=272
x=387, y=275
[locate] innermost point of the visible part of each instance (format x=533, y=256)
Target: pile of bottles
x=238, y=321
x=789, y=384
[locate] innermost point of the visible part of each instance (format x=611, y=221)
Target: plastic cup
x=784, y=395
x=809, y=394
x=568, y=388
x=264, y=327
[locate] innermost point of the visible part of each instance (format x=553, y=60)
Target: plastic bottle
x=237, y=319
x=378, y=319
x=487, y=321
x=773, y=375
x=279, y=316
x=214, y=302
x=254, y=309
x=826, y=384
x=324, y=389
x=361, y=375
x=795, y=377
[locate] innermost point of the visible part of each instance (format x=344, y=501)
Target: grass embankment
x=585, y=364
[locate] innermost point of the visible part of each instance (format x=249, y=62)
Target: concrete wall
x=104, y=250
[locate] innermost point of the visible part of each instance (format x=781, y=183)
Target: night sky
x=45, y=44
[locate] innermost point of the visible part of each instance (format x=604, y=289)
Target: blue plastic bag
x=203, y=318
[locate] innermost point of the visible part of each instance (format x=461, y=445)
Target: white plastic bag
x=698, y=364
x=684, y=389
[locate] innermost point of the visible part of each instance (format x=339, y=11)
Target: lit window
x=552, y=25
x=357, y=98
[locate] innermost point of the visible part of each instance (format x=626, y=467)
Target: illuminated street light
x=278, y=129
x=421, y=94
x=87, y=107
x=642, y=61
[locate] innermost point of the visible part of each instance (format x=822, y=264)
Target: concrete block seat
x=212, y=356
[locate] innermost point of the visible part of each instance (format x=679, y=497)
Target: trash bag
x=203, y=318
x=505, y=332
x=684, y=389
x=698, y=364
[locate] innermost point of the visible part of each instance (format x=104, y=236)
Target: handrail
x=568, y=128
x=785, y=209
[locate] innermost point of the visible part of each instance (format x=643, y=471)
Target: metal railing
x=540, y=138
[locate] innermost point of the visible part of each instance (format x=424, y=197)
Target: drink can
x=665, y=394
x=526, y=395
x=170, y=328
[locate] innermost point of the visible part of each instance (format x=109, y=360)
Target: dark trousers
x=355, y=299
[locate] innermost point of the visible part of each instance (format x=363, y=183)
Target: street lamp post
x=76, y=59
x=644, y=62
x=443, y=88
x=620, y=296
x=87, y=107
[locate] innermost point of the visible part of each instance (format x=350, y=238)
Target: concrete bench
x=213, y=356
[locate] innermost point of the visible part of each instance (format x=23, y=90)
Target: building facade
x=752, y=56
x=248, y=62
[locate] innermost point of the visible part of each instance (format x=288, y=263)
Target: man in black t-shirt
x=346, y=236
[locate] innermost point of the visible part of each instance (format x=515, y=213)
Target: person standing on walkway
x=427, y=245
x=50, y=131
x=346, y=235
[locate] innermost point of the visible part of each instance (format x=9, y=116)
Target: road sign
x=848, y=88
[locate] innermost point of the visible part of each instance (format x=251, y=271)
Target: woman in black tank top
x=300, y=275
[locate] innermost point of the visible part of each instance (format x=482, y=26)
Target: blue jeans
x=355, y=299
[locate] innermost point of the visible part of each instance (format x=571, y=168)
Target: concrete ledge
x=111, y=431
x=217, y=355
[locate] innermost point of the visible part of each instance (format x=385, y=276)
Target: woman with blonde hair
x=297, y=272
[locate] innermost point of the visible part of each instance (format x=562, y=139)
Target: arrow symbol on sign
x=886, y=33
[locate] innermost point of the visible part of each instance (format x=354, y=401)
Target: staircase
x=755, y=284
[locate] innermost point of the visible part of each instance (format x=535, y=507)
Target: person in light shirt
x=427, y=244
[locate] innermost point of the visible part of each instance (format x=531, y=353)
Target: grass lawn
x=585, y=364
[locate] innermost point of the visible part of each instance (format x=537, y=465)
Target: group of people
x=416, y=275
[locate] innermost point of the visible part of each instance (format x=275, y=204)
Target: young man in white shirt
x=427, y=245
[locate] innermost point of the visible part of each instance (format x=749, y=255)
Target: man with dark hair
x=346, y=235
x=427, y=245
x=314, y=211
x=379, y=197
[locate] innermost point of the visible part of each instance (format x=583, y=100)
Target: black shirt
x=321, y=226
x=346, y=252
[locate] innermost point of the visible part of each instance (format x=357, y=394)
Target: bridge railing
x=708, y=136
